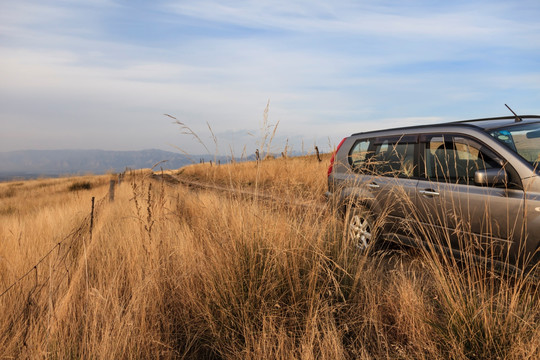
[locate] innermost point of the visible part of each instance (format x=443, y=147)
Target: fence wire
x=72, y=235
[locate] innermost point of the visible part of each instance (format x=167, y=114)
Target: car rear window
x=359, y=153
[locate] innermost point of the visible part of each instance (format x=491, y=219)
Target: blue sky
x=101, y=74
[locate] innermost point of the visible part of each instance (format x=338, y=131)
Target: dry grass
x=295, y=177
x=176, y=273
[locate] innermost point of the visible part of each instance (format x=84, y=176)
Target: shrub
x=82, y=185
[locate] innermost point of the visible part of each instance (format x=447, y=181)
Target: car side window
x=359, y=155
x=455, y=159
x=393, y=158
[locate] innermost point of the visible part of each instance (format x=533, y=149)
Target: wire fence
x=71, y=236
x=62, y=257
x=262, y=195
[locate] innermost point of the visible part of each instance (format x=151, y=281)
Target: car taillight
x=331, y=167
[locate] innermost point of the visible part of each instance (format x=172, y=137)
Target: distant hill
x=35, y=163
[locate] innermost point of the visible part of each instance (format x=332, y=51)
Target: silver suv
x=466, y=187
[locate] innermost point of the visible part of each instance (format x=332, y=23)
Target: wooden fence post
x=111, y=190
x=92, y=218
x=318, y=155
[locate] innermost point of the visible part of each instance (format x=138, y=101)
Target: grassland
x=168, y=271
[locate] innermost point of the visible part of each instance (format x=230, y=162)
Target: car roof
x=483, y=124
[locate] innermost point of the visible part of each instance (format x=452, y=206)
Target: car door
x=393, y=179
x=455, y=212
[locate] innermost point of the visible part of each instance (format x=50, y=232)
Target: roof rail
x=459, y=122
x=498, y=118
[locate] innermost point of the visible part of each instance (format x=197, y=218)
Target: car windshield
x=523, y=139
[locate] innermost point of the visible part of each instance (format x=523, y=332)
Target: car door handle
x=373, y=185
x=429, y=192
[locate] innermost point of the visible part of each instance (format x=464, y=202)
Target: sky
x=102, y=74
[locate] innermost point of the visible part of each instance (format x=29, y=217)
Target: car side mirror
x=490, y=177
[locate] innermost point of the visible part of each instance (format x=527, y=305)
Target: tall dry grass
x=171, y=272
x=297, y=177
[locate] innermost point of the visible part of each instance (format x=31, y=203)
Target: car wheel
x=360, y=228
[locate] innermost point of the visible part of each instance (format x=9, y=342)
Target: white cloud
x=397, y=19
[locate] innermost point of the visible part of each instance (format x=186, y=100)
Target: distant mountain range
x=35, y=163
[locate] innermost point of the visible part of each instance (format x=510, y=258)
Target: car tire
x=360, y=228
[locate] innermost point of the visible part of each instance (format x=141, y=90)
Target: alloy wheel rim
x=360, y=231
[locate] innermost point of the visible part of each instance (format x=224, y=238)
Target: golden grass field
x=169, y=271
